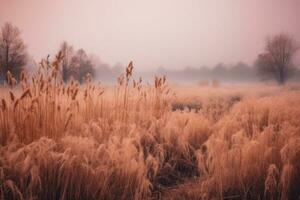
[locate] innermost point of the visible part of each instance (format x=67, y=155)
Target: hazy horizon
x=170, y=33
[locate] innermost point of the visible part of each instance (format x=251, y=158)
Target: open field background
x=147, y=141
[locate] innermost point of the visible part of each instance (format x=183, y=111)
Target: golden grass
x=138, y=141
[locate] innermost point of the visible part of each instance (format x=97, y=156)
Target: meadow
x=137, y=140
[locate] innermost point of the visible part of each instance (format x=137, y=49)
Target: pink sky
x=152, y=33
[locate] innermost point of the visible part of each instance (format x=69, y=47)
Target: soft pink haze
x=152, y=33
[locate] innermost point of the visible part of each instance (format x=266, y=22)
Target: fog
x=172, y=34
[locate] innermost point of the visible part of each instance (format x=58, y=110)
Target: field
x=147, y=141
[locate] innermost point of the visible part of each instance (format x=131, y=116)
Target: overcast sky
x=153, y=33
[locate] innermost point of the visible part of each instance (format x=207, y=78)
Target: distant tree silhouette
x=276, y=61
x=75, y=64
x=67, y=51
x=219, y=71
x=13, y=55
x=241, y=71
x=83, y=64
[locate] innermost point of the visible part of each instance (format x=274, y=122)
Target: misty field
x=137, y=140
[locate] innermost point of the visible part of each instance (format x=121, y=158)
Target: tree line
x=14, y=56
x=276, y=62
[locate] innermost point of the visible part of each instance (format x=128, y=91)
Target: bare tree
x=67, y=51
x=82, y=65
x=76, y=63
x=13, y=54
x=276, y=61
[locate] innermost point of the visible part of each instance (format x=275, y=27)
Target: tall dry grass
x=141, y=141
